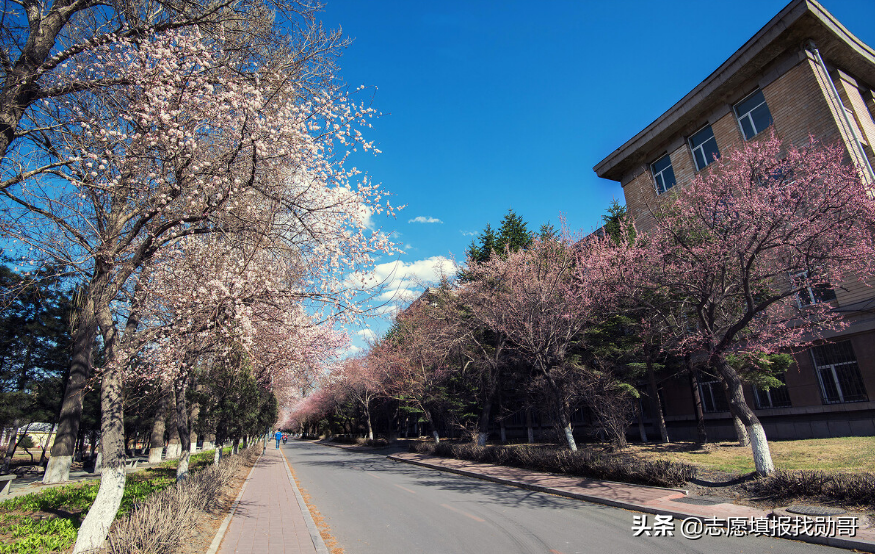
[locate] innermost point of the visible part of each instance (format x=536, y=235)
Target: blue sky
x=495, y=105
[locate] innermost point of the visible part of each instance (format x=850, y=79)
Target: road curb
x=315, y=536
x=220, y=534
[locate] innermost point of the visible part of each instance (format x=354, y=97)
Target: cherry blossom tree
x=189, y=147
x=39, y=40
x=731, y=252
x=415, y=365
x=542, y=300
x=361, y=381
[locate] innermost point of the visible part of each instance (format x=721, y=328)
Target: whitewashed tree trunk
x=182, y=468
x=437, y=438
x=566, y=428
x=100, y=516
x=58, y=469
x=569, y=437
x=217, y=455
x=102, y=513
x=762, y=457
x=482, y=438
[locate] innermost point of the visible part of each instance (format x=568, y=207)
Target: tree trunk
x=10, y=448
x=762, y=458
x=530, y=430
x=503, y=431
x=741, y=434
x=173, y=446
x=368, y=416
x=235, y=446
x=156, y=439
x=84, y=333
x=641, y=430
x=566, y=428
x=563, y=409
x=701, y=435
x=217, y=455
x=182, y=427
x=100, y=516
x=483, y=426
x=655, y=404
x=43, y=459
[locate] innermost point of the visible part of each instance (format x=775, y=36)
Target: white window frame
x=710, y=386
x=701, y=147
x=739, y=117
x=661, y=176
x=761, y=394
x=812, y=297
x=831, y=370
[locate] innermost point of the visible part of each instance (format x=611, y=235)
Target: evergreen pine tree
x=513, y=234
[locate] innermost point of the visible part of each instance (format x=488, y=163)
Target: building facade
x=803, y=74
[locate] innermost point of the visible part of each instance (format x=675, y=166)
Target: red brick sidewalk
x=269, y=516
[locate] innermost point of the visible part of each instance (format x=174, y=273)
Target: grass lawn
x=47, y=521
x=842, y=454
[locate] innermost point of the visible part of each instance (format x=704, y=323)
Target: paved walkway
x=269, y=515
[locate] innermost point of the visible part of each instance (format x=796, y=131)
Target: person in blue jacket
x=278, y=436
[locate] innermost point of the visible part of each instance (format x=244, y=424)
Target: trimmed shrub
x=851, y=488
x=583, y=463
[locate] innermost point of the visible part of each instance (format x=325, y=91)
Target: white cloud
x=350, y=351
x=401, y=282
x=367, y=334
x=469, y=233
x=398, y=274
x=423, y=219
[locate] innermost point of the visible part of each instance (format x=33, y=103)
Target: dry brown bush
x=165, y=519
x=583, y=463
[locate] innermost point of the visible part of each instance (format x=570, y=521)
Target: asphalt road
x=375, y=505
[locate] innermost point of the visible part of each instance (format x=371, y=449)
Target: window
x=704, y=147
x=713, y=397
x=753, y=114
x=775, y=397
x=663, y=174
x=836, y=367
x=821, y=292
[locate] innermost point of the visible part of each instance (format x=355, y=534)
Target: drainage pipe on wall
x=811, y=47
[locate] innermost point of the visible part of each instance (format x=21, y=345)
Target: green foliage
x=34, y=344
x=232, y=402
x=618, y=225
x=487, y=244
x=73, y=498
x=19, y=519
x=35, y=536
x=759, y=369
x=513, y=234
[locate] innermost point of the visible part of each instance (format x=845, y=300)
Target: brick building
x=803, y=74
